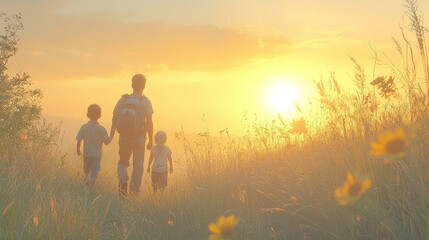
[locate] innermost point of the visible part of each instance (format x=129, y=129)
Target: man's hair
x=139, y=81
x=94, y=111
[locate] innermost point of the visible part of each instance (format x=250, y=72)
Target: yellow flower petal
x=350, y=178
x=215, y=237
x=377, y=152
x=221, y=221
x=229, y=220
x=213, y=227
x=366, y=184
x=377, y=146
x=36, y=221
x=338, y=192
x=400, y=133
x=383, y=138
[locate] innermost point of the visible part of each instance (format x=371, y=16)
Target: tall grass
x=279, y=179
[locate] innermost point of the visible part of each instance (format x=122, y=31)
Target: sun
x=281, y=97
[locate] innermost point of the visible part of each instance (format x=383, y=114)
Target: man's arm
x=116, y=111
x=150, y=162
x=149, y=127
x=79, y=142
x=171, y=163
x=112, y=129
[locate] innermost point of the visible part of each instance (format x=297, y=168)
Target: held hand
x=148, y=170
x=171, y=171
x=79, y=152
x=149, y=145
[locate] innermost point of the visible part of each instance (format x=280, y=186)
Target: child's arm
x=112, y=131
x=106, y=137
x=171, y=163
x=79, y=139
x=79, y=142
x=150, y=162
x=149, y=129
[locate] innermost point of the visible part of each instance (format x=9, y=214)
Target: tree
x=19, y=104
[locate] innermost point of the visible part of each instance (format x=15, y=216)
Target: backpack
x=131, y=118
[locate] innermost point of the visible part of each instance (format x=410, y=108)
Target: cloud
x=76, y=47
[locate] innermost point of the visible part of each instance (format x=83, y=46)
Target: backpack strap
x=125, y=96
x=140, y=98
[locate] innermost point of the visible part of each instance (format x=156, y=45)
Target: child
x=93, y=136
x=159, y=155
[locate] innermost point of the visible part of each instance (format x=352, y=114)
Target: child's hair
x=160, y=138
x=94, y=111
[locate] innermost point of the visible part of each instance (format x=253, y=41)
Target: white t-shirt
x=146, y=106
x=93, y=135
x=160, y=158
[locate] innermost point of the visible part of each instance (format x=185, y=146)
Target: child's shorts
x=91, y=165
x=159, y=180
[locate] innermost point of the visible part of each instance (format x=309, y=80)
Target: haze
x=211, y=58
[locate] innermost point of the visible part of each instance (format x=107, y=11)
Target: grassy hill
x=284, y=179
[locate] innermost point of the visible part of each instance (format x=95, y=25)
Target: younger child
x=159, y=155
x=93, y=136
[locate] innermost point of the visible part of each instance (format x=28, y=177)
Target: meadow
x=280, y=179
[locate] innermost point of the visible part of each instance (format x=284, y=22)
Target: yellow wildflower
x=36, y=221
x=224, y=228
x=391, y=144
x=352, y=190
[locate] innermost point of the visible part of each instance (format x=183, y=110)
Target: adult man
x=132, y=118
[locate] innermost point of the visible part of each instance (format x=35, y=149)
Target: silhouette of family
x=132, y=119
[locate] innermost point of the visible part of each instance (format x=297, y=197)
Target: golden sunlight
x=241, y=120
x=280, y=97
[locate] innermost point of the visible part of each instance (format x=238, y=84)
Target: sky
x=213, y=60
